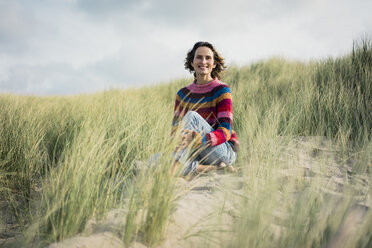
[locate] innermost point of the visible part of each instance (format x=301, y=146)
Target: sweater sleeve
x=176, y=115
x=223, y=129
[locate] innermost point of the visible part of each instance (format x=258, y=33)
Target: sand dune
x=208, y=205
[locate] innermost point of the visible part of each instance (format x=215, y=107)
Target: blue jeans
x=212, y=155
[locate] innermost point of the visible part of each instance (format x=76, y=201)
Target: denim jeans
x=212, y=155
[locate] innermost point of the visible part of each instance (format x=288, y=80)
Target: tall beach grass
x=66, y=160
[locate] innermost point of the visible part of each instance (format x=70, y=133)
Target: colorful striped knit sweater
x=213, y=102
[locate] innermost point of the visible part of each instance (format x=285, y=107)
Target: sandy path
x=194, y=216
x=206, y=205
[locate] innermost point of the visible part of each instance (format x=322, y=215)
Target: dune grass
x=66, y=160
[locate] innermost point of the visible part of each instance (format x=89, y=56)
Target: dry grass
x=65, y=161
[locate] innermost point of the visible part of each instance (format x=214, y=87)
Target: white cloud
x=79, y=46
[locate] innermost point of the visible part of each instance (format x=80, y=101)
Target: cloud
x=48, y=80
x=79, y=46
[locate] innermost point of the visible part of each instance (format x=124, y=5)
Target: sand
x=206, y=206
x=195, y=211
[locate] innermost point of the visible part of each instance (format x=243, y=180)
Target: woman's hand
x=187, y=136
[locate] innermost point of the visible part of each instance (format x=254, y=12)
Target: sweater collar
x=204, y=85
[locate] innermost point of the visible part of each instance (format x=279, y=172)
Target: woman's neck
x=203, y=79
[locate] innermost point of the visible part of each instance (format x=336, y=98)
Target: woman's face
x=203, y=62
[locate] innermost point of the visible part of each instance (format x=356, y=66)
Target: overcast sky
x=62, y=47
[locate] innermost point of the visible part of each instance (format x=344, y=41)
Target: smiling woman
x=203, y=110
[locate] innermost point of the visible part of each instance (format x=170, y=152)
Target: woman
x=203, y=110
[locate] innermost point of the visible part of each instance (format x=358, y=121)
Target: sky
x=67, y=47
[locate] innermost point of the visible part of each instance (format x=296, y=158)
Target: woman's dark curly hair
x=220, y=63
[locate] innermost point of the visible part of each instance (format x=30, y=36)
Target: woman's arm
x=224, y=109
x=176, y=116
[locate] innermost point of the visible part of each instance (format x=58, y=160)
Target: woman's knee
x=194, y=121
x=191, y=114
x=191, y=120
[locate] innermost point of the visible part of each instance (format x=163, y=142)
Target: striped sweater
x=213, y=102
